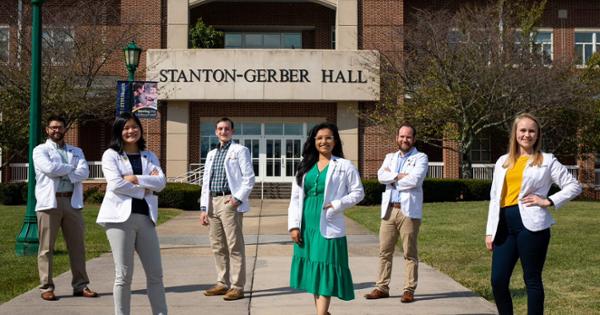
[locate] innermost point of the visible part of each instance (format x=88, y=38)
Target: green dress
x=320, y=265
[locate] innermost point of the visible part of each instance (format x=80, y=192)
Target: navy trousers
x=512, y=242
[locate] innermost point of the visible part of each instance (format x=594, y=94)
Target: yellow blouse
x=512, y=183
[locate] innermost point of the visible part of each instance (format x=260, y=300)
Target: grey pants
x=137, y=233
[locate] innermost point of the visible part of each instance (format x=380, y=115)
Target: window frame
x=7, y=28
x=595, y=44
x=281, y=34
x=65, y=30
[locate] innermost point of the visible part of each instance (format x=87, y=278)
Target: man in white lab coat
x=226, y=185
x=59, y=170
x=403, y=173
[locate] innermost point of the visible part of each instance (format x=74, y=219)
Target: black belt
x=219, y=193
x=395, y=205
x=64, y=194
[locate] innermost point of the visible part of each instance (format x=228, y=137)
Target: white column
x=177, y=23
x=347, y=122
x=346, y=25
x=177, y=138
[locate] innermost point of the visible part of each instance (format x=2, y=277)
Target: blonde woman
x=519, y=221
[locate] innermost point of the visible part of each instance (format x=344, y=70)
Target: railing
x=193, y=175
x=19, y=171
x=482, y=171
x=435, y=170
x=574, y=170
x=95, y=170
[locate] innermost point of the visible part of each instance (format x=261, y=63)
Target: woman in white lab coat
x=519, y=219
x=325, y=185
x=129, y=212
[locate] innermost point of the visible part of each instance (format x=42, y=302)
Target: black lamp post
x=132, y=59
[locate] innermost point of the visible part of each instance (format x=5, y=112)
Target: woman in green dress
x=325, y=185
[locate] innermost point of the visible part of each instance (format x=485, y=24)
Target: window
x=58, y=44
x=271, y=40
x=481, y=150
x=333, y=37
x=586, y=44
x=541, y=44
x=4, y=42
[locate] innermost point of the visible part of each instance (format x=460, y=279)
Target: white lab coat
x=116, y=205
x=537, y=180
x=343, y=189
x=49, y=167
x=410, y=187
x=239, y=172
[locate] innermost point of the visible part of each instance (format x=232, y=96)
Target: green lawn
x=19, y=274
x=451, y=240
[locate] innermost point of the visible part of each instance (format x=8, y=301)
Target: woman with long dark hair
x=129, y=212
x=325, y=185
x=518, y=225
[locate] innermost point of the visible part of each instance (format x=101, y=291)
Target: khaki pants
x=395, y=224
x=227, y=242
x=71, y=222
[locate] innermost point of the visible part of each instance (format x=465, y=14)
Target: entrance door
x=281, y=158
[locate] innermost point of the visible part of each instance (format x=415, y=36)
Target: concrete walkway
x=189, y=268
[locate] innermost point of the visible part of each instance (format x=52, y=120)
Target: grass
x=451, y=240
x=19, y=274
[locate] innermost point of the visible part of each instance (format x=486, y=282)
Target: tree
x=203, y=36
x=468, y=73
x=79, y=42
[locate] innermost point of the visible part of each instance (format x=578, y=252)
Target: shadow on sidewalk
x=179, y=289
x=288, y=290
x=443, y=295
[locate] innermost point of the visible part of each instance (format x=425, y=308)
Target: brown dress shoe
x=49, y=296
x=407, y=297
x=216, y=290
x=377, y=294
x=233, y=294
x=86, y=293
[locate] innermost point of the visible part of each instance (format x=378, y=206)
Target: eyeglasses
x=56, y=127
x=326, y=139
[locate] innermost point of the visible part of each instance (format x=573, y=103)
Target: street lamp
x=132, y=58
x=27, y=240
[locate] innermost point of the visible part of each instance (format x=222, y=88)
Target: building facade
x=286, y=65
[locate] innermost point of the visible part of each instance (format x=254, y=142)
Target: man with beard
x=59, y=170
x=403, y=173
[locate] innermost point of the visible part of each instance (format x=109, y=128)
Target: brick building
x=285, y=66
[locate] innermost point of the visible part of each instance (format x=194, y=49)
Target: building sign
x=263, y=75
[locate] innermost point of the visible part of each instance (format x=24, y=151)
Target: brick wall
x=233, y=110
x=315, y=20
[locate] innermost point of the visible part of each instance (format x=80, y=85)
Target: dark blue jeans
x=512, y=242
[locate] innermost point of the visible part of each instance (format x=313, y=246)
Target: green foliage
x=436, y=190
x=180, y=195
x=93, y=195
x=13, y=193
x=205, y=36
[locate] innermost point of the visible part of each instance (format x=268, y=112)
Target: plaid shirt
x=218, y=177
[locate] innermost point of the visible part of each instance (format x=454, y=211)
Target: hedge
x=436, y=190
x=175, y=195
x=13, y=193
x=180, y=195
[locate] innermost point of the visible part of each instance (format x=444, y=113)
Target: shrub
x=476, y=189
x=93, y=195
x=373, y=191
x=180, y=195
x=13, y=193
x=436, y=190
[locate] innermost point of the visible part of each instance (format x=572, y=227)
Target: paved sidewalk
x=189, y=269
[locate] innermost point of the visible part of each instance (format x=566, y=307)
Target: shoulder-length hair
x=513, y=146
x=310, y=155
x=116, y=142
